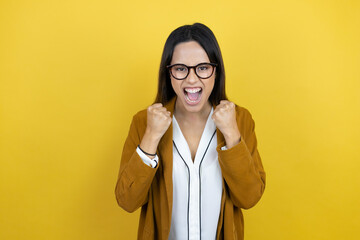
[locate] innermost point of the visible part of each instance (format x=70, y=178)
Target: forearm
x=135, y=177
x=243, y=175
x=133, y=183
x=232, y=138
x=149, y=143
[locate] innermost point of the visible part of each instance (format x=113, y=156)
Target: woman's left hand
x=224, y=117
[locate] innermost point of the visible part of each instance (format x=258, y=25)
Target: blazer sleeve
x=135, y=177
x=241, y=166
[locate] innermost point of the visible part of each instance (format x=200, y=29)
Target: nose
x=192, y=77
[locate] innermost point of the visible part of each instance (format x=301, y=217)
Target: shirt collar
x=206, y=137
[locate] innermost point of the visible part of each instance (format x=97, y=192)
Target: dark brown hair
x=205, y=37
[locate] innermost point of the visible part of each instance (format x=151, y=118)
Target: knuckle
x=156, y=105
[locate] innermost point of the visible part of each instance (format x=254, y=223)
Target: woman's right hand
x=158, y=121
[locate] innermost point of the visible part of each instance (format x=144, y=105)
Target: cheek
x=211, y=85
x=175, y=85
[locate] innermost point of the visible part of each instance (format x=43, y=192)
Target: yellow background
x=73, y=73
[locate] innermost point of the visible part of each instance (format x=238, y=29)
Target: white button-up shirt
x=197, y=185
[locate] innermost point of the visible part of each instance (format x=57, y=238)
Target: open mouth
x=193, y=95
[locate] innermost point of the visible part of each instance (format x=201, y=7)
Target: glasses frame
x=189, y=68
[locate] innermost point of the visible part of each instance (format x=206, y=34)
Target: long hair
x=205, y=37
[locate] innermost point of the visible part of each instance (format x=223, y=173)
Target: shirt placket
x=194, y=217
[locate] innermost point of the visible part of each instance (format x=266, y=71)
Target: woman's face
x=192, y=92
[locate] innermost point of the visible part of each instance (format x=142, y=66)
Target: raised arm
x=135, y=177
x=241, y=165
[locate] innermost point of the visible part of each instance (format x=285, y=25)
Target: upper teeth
x=192, y=90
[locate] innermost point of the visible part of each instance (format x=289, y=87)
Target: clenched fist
x=224, y=117
x=158, y=121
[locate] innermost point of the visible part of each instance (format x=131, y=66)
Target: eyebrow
x=188, y=65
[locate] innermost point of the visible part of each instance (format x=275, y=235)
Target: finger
x=162, y=110
x=159, y=110
x=219, y=105
x=165, y=113
x=226, y=106
x=218, y=109
x=229, y=105
x=223, y=108
x=157, y=105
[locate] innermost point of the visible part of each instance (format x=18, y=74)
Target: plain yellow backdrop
x=73, y=73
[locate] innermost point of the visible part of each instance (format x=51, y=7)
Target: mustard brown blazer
x=139, y=185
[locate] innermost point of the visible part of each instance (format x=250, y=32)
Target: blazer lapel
x=166, y=155
x=220, y=140
x=219, y=135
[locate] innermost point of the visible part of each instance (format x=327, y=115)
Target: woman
x=190, y=160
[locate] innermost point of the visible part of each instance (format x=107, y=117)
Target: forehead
x=189, y=53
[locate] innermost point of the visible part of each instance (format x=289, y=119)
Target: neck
x=202, y=115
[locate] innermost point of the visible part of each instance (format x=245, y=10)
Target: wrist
x=152, y=136
x=232, y=139
x=149, y=143
x=149, y=155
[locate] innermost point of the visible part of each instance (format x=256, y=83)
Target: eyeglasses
x=202, y=70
